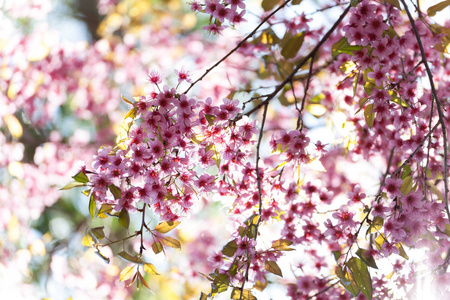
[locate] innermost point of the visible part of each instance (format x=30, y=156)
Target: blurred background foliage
x=64, y=65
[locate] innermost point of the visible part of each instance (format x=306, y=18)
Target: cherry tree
x=308, y=153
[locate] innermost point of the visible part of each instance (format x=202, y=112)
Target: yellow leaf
x=239, y=294
x=273, y=268
x=87, y=241
x=166, y=226
x=126, y=100
x=14, y=126
x=379, y=241
x=150, y=268
x=171, y=242
x=126, y=273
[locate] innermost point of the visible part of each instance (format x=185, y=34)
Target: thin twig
x=308, y=80
x=323, y=291
x=238, y=45
x=142, y=248
x=417, y=149
x=258, y=179
x=258, y=158
x=377, y=197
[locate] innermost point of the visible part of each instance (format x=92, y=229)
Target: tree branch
x=238, y=45
x=436, y=99
x=300, y=65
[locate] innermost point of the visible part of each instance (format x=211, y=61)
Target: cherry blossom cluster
x=155, y=164
x=232, y=11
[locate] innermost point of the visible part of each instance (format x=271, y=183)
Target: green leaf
x=124, y=218
x=355, y=83
x=366, y=258
x=261, y=286
x=246, y=294
x=347, y=281
x=72, y=185
x=394, y=3
x=362, y=101
x=98, y=232
x=166, y=226
x=252, y=220
x=396, y=99
x=401, y=251
x=150, y=268
x=317, y=98
x=81, y=177
x=407, y=185
x=273, y=268
x=206, y=276
x=368, y=86
x=241, y=231
x=447, y=229
x=233, y=269
x=220, y=284
x=117, y=192
x=341, y=275
x=284, y=101
x=269, y=4
x=105, y=210
x=375, y=225
x=282, y=245
x=406, y=171
x=92, y=206
x=131, y=258
x=157, y=247
x=171, y=242
x=251, y=231
x=361, y=275
x=293, y=45
x=431, y=11
x=230, y=248
x=337, y=254
x=338, y=45
x=368, y=115
x=349, y=49
x=210, y=119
